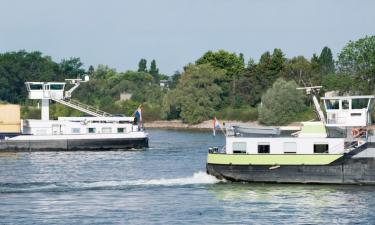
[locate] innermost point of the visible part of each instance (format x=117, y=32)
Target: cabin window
x=106, y=130
x=290, y=147
x=239, y=147
x=91, y=130
x=76, y=130
x=36, y=86
x=359, y=103
x=320, y=148
x=345, y=104
x=120, y=130
x=264, y=148
x=333, y=104
x=56, y=86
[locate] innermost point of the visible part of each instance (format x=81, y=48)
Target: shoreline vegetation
x=218, y=84
x=205, y=125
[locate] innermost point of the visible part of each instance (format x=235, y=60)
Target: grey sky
x=176, y=32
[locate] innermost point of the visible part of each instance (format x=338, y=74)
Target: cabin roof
x=348, y=97
x=38, y=82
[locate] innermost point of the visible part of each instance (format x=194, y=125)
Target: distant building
x=164, y=83
x=125, y=96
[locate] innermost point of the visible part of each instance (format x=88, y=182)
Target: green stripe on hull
x=272, y=159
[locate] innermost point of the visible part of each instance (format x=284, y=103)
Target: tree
x=301, y=70
x=154, y=71
x=281, y=103
x=234, y=67
x=175, y=78
x=259, y=77
x=142, y=65
x=91, y=70
x=72, y=67
x=230, y=62
x=197, y=95
x=326, y=62
x=358, y=59
x=18, y=67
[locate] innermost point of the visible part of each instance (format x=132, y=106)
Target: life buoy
x=356, y=132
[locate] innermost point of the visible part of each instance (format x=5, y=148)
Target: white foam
x=197, y=178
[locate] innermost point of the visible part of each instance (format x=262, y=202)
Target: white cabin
x=348, y=111
x=99, y=122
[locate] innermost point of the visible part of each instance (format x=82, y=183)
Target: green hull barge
x=337, y=149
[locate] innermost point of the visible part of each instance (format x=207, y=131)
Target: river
x=165, y=184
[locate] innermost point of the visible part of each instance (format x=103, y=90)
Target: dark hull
x=75, y=145
x=347, y=170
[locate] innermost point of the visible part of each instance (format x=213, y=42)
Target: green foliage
x=197, y=95
x=91, y=70
x=72, y=68
x=142, y=65
x=258, y=78
x=326, y=62
x=344, y=84
x=230, y=62
x=152, y=112
x=234, y=67
x=154, y=71
x=129, y=107
x=301, y=70
x=19, y=67
x=219, y=84
x=244, y=113
x=281, y=103
x=305, y=115
x=358, y=59
x=30, y=112
x=58, y=110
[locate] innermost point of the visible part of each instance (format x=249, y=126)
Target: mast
x=311, y=91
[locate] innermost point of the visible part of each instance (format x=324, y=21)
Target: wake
x=198, y=178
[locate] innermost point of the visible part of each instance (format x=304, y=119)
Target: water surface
x=165, y=184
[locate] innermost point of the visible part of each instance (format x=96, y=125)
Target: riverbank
x=208, y=124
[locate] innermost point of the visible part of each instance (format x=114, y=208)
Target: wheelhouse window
x=76, y=130
x=264, y=148
x=345, y=104
x=120, y=130
x=359, y=103
x=290, y=147
x=333, y=104
x=106, y=130
x=239, y=147
x=36, y=86
x=91, y=130
x=320, y=148
x=56, y=86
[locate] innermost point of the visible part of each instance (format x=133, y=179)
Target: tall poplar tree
x=326, y=62
x=154, y=71
x=142, y=65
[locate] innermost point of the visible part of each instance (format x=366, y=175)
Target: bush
x=281, y=104
x=306, y=115
x=244, y=113
x=28, y=112
x=152, y=112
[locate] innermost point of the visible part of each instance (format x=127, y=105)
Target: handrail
x=82, y=107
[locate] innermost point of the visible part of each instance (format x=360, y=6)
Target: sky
x=118, y=33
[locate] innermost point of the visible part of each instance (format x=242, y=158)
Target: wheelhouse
x=348, y=111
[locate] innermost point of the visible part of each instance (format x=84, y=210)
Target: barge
x=339, y=148
x=96, y=132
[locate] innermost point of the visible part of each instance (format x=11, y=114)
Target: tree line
x=220, y=83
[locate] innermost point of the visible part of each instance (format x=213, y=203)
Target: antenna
x=311, y=90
